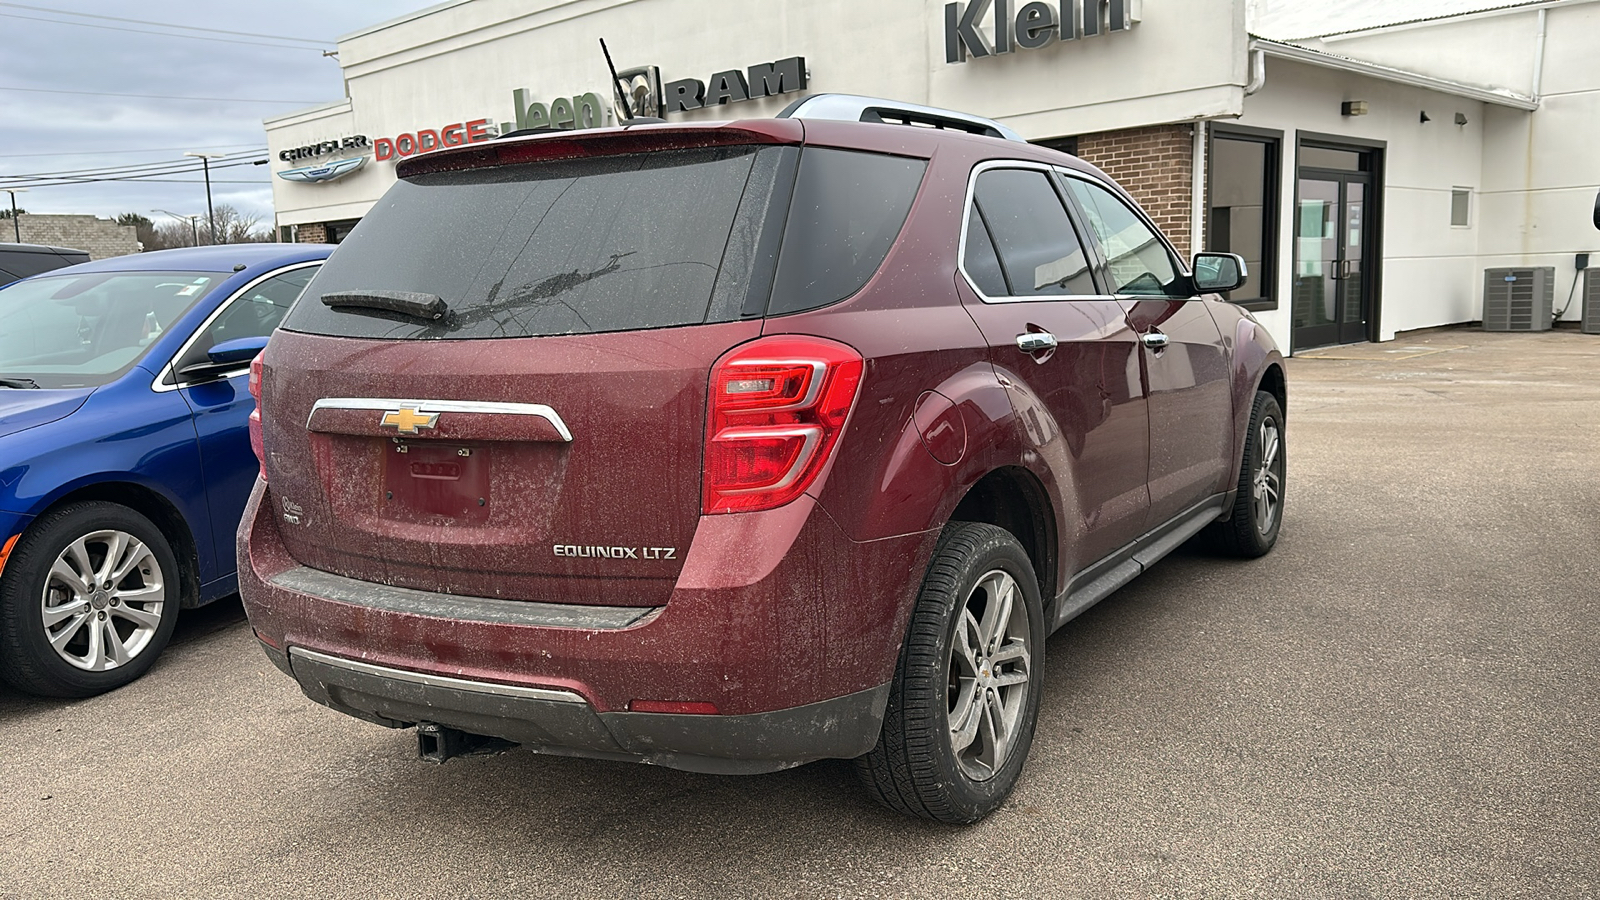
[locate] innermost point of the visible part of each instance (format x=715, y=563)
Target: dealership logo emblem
x=408, y=419
x=339, y=168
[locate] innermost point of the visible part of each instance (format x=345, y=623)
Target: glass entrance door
x=1331, y=292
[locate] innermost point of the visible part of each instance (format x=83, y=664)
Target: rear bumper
x=787, y=627
x=562, y=722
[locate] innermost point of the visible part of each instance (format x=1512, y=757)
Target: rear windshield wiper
x=408, y=303
x=18, y=383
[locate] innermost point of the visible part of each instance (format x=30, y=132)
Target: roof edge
x=1296, y=53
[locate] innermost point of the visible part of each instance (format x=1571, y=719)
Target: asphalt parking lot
x=1401, y=701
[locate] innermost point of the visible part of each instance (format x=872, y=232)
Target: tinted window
x=253, y=313
x=848, y=208
x=1243, y=208
x=569, y=247
x=1039, y=252
x=1136, y=258
x=980, y=260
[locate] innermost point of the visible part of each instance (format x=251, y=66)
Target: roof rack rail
x=853, y=108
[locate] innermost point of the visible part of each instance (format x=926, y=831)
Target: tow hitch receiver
x=438, y=743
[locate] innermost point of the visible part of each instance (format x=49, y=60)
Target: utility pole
x=16, y=229
x=205, y=162
x=194, y=226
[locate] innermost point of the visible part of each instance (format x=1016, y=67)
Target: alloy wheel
x=1267, y=486
x=103, y=600
x=990, y=672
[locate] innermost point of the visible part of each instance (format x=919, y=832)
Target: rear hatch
x=542, y=439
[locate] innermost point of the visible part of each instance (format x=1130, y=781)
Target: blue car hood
x=24, y=408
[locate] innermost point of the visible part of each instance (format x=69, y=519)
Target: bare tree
x=233, y=227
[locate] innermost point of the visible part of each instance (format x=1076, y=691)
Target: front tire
x=88, y=600
x=1252, y=528
x=965, y=699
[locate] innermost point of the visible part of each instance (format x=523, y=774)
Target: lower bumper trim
x=561, y=722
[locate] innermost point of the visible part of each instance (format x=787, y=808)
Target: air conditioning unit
x=1518, y=299
x=1591, y=302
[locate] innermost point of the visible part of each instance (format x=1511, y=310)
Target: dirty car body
x=662, y=475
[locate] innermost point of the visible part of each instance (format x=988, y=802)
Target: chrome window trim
x=439, y=681
x=966, y=220
x=381, y=404
x=160, y=385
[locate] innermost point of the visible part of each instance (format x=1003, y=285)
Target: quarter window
x=254, y=313
x=1136, y=258
x=1039, y=252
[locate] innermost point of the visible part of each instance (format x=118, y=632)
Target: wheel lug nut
x=116, y=601
x=101, y=615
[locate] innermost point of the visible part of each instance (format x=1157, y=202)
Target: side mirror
x=224, y=356
x=1217, y=273
x=237, y=351
x=1597, y=210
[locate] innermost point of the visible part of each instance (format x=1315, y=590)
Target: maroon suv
x=729, y=447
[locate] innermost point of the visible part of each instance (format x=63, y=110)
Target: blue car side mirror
x=238, y=350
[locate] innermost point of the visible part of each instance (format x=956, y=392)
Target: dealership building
x=1370, y=159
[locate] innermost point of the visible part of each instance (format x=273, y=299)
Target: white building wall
x=1427, y=265
x=1536, y=189
x=462, y=60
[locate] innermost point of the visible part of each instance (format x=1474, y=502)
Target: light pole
x=205, y=162
x=16, y=229
x=192, y=220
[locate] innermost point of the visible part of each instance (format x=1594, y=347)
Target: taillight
x=256, y=443
x=776, y=409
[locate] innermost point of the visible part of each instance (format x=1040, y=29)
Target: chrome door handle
x=1035, y=341
x=1154, y=339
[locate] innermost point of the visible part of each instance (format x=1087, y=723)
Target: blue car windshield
x=65, y=331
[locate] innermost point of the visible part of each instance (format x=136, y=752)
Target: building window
x=1461, y=207
x=1242, y=207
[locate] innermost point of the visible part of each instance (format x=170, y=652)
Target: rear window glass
x=848, y=208
x=571, y=247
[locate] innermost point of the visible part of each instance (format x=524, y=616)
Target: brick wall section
x=311, y=234
x=1155, y=165
x=101, y=237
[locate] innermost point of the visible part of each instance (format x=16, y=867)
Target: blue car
x=125, y=457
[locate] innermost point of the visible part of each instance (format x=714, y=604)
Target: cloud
x=54, y=132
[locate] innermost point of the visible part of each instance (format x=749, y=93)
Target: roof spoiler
x=853, y=108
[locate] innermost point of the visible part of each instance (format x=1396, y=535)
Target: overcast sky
x=59, y=109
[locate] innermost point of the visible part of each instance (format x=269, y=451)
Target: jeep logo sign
x=1034, y=25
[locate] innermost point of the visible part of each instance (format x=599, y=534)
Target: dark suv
x=729, y=447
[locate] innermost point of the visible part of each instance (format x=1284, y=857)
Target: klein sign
x=1034, y=25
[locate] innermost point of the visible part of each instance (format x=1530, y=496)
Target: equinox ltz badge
x=407, y=419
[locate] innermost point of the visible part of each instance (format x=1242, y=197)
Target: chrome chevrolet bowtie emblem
x=408, y=419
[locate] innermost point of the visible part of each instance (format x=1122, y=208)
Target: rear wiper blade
x=408, y=303
x=18, y=383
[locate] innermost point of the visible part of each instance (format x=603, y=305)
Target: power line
x=152, y=96
x=189, y=37
x=253, y=147
x=64, y=12
x=150, y=172
x=187, y=163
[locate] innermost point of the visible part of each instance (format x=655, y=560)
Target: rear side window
x=848, y=209
x=571, y=247
x=1039, y=251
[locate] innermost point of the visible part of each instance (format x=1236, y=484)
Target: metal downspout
x=1538, y=56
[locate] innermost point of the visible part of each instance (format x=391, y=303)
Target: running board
x=1098, y=581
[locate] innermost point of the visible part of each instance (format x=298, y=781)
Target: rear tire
x=1252, y=529
x=88, y=600
x=965, y=698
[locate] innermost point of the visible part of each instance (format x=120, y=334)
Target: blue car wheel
x=87, y=601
